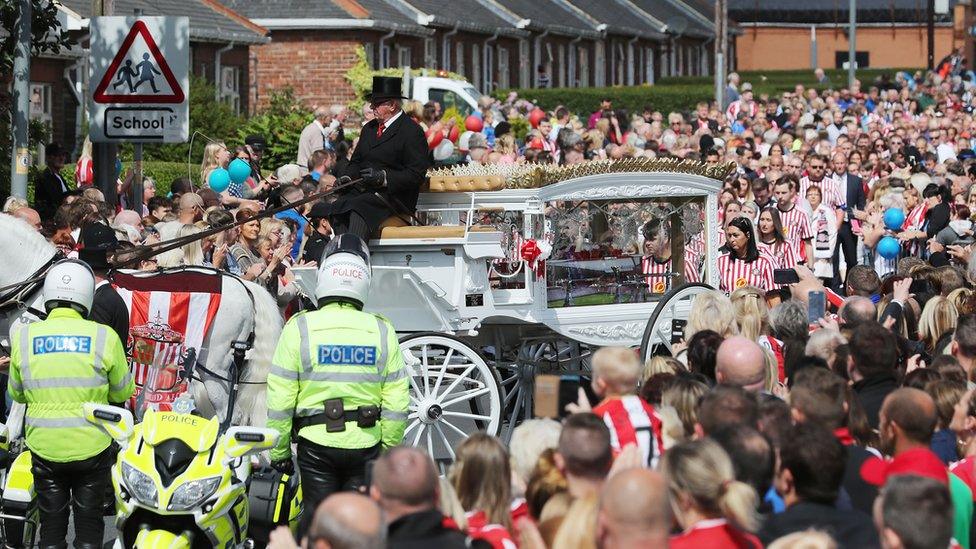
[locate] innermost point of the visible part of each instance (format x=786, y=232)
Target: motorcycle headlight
x=190, y=494
x=140, y=485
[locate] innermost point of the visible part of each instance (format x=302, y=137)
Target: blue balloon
x=219, y=180
x=888, y=247
x=894, y=218
x=239, y=170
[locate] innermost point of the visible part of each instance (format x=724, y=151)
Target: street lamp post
x=20, y=159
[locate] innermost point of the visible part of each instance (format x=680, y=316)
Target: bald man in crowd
x=740, y=362
x=406, y=487
x=29, y=215
x=856, y=310
x=342, y=521
x=634, y=511
x=908, y=419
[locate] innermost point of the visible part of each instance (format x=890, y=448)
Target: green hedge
x=582, y=101
x=163, y=173
x=789, y=79
x=681, y=93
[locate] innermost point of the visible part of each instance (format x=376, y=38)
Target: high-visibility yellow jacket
x=56, y=366
x=338, y=351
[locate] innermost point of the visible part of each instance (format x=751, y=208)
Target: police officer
x=337, y=381
x=58, y=365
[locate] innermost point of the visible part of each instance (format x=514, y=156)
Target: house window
x=571, y=67
x=525, y=64
x=490, y=81
x=384, y=57
x=600, y=59
x=562, y=65
x=459, y=58
x=40, y=102
x=649, y=61
x=503, y=76
x=430, y=53
x=230, y=87
x=620, y=64
x=476, y=66
x=584, y=67
x=370, y=55
x=404, y=57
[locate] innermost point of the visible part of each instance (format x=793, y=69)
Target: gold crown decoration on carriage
x=493, y=177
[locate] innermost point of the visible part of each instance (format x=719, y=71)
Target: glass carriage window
x=623, y=250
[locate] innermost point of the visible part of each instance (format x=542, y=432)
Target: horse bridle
x=17, y=295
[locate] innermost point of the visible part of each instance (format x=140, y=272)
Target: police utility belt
x=336, y=416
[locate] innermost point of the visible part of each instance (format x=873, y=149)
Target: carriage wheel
x=453, y=393
x=547, y=355
x=674, y=304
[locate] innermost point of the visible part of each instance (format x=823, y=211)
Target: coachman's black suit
x=402, y=152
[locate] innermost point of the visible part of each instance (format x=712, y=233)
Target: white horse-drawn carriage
x=525, y=270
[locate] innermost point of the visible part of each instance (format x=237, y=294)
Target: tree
x=47, y=36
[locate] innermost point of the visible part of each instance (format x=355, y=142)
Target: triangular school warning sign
x=102, y=95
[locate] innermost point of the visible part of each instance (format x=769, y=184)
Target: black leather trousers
x=82, y=484
x=325, y=471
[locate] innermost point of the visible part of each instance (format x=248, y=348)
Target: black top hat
x=386, y=87
x=96, y=240
x=256, y=142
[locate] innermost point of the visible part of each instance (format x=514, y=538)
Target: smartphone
x=678, y=329
x=816, y=306
x=554, y=393
x=785, y=277
x=547, y=396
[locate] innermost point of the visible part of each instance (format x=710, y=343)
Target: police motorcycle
x=179, y=482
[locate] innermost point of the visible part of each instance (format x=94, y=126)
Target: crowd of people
x=766, y=426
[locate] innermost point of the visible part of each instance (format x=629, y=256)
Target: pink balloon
x=455, y=133
x=474, y=123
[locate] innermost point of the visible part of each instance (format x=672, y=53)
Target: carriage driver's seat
x=395, y=228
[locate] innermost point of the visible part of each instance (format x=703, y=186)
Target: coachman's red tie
x=379, y=131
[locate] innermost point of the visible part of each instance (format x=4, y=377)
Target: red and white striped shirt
x=697, y=244
x=735, y=273
x=751, y=110
x=775, y=346
x=84, y=172
x=632, y=420
x=783, y=256
x=828, y=189
x=659, y=282
x=796, y=225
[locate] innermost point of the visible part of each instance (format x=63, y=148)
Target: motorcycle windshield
x=197, y=433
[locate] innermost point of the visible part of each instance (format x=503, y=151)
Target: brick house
x=219, y=44
x=495, y=44
x=780, y=34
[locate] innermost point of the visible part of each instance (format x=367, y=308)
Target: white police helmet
x=69, y=282
x=345, y=271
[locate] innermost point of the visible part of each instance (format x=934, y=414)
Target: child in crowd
x=632, y=420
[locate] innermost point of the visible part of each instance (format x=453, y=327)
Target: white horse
x=23, y=252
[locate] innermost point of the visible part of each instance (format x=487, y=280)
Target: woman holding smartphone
x=741, y=264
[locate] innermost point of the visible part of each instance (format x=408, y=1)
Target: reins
x=140, y=253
